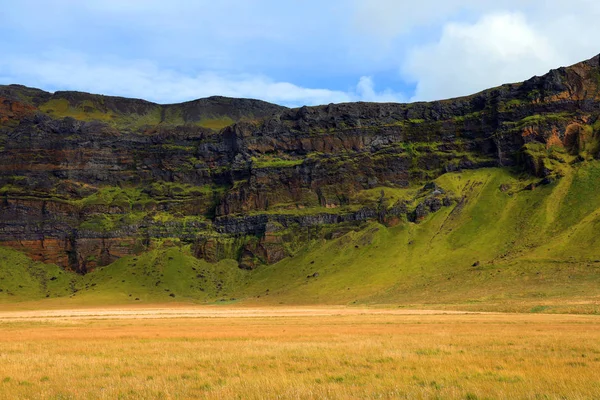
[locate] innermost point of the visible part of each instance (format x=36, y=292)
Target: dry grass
x=336, y=354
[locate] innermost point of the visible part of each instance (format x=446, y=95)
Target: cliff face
x=85, y=179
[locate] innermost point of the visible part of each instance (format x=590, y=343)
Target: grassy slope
x=89, y=111
x=536, y=250
x=22, y=279
x=156, y=114
x=169, y=274
x=533, y=247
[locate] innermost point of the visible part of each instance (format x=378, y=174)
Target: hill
x=487, y=201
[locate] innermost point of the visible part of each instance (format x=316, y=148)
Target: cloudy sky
x=290, y=52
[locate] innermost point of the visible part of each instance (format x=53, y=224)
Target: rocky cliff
x=86, y=179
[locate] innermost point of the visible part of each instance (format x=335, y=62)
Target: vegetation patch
x=215, y=124
x=275, y=162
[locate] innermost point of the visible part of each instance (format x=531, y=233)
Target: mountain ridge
x=85, y=184
x=5, y=89
x=14, y=89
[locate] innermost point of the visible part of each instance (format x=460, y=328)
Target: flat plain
x=181, y=352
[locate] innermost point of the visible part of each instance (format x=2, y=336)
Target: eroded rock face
x=85, y=179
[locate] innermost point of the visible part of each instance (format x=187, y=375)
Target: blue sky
x=291, y=52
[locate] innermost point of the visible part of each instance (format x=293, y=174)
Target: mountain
x=493, y=194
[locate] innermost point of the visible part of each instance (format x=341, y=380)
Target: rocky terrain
x=86, y=179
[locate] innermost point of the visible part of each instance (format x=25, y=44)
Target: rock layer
x=85, y=179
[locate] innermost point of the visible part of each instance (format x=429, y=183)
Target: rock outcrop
x=85, y=179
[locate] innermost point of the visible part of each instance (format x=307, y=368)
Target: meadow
x=297, y=353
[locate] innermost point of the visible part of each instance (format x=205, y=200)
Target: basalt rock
x=86, y=179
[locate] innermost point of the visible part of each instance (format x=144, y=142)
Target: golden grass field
x=303, y=353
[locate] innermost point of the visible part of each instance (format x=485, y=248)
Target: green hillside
x=501, y=246
x=167, y=274
x=505, y=245
x=22, y=279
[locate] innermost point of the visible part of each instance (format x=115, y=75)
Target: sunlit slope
x=22, y=279
x=162, y=275
x=167, y=274
x=503, y=242
x=500, y=242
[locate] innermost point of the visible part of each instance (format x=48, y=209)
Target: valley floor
x=183, y=311
x=179, y=352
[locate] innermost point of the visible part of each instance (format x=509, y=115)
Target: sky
x=290, y=52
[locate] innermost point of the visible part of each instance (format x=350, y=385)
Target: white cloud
x=497, y=49
x=69, y=71
x=458, y=47
x=365, y=91
x=292, y=52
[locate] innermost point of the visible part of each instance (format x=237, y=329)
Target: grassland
x=363, y=354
